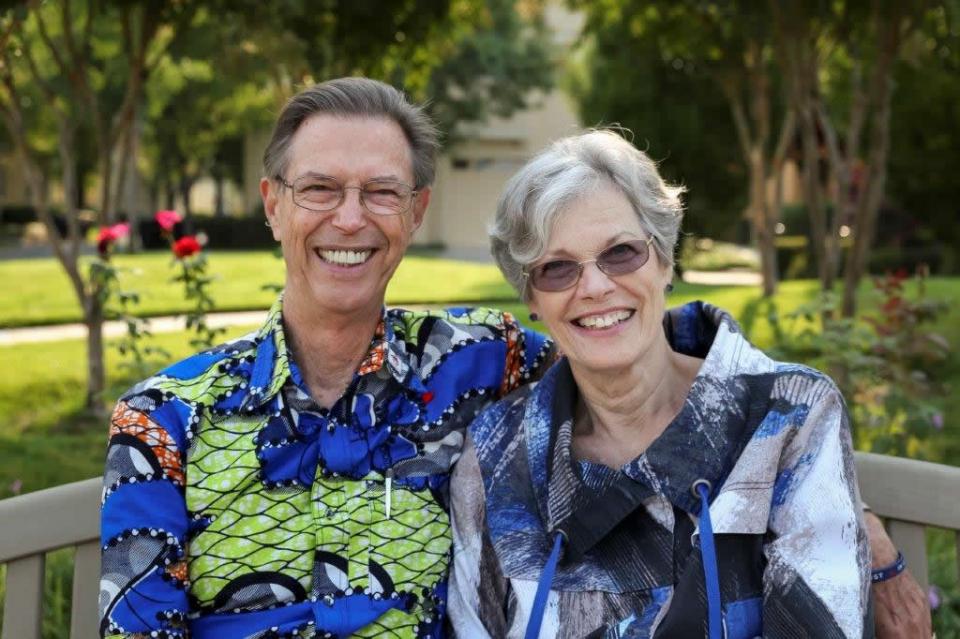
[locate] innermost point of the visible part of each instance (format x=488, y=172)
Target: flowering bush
x=108, y=236
x=186, y=246
x=167, y=220
x=192, y=263
x=884, y=364
x=120, y=304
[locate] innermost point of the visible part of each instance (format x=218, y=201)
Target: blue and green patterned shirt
x=235, y=506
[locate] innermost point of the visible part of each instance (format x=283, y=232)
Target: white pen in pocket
x=387, y=486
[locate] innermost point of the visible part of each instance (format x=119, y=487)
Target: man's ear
x=420, y=205
x=269, y=195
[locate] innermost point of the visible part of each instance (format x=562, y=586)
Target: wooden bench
x=910, y=495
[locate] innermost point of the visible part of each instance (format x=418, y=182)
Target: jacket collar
x=723, y=408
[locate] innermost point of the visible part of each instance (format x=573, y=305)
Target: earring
x=534, y=317
x=266, y=223
x=669, y=288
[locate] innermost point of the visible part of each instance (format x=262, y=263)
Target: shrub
x=884, y=362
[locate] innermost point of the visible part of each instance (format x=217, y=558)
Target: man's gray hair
x=356, y=97
x=568, y=169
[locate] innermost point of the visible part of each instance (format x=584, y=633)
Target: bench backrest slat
x=50, y=519
x=23, y=604
x=86, y=575
x=910, y=490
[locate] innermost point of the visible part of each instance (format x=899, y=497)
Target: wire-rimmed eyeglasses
x=619, y=259
x=324, y=193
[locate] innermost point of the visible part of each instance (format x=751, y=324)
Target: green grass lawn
x=36, y=291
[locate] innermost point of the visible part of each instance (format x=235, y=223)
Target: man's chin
x=346, y=299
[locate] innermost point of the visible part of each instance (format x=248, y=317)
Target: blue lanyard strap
x=543, y=588
x=708, y=554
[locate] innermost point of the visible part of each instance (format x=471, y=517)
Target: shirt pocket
x=409, y=536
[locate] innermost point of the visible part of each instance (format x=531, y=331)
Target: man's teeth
x=604, y=321
x=345, y=258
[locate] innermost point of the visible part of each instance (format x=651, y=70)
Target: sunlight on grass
x=37, y=292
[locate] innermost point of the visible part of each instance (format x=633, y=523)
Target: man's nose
x=350, y=216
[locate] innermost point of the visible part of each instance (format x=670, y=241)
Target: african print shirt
x=771, y=438
x=236, y=507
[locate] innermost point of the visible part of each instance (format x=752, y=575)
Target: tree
x=925, y=138
x=730, y=45
x=66, y=67
x=839, y=60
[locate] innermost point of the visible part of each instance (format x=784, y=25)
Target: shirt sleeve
x=144, y=523
x=529, y=355
x=818, y=560
x=478, y=588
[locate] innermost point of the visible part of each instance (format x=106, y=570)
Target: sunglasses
x=619, y=259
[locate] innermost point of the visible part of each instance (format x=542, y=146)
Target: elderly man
x=293, y=482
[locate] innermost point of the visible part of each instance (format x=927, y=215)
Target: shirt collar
x=272, y=365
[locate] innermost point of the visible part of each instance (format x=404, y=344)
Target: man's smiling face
x=340, y=261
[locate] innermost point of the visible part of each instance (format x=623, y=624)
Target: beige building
x=13, y=186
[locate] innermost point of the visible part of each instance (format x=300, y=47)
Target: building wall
x=473, y=172
x=13, y=187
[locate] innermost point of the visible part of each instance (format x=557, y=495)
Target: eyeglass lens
x=620, y=259
x=382, y=197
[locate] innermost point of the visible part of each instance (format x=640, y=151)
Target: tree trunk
x=106, y=182
x=759, y=214
x=876, y=170
x=218, y=182
x=170, y=194
x=186, y=186
x=812, y=197
x=96, y=375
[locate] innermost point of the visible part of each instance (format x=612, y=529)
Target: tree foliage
x=925, y=138
x=672, y=72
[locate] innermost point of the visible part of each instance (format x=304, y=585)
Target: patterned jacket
x=235, y=507
x=771, y=438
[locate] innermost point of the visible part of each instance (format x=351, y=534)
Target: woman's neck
x=621, y=413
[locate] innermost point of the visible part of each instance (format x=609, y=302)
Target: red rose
x=167, y=219
x=186, y=246
x=110, y=234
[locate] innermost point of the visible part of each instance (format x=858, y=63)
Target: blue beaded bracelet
x=889, y=572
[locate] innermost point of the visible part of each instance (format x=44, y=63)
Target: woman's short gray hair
x=566, y=170
x=357, y=97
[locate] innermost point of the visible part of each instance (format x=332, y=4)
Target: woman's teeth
x=345, y=258
x=603, y=321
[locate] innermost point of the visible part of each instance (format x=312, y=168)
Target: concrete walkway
x=169, y=324
x=723, y=278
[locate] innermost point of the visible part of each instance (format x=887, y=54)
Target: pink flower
x=937, y=421
x=108, y=235
x=167, y=219
x=186, y=246
x=933, y=597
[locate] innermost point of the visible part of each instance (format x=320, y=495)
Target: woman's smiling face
x=602, y=322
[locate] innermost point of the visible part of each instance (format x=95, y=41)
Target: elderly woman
x=688, y=485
